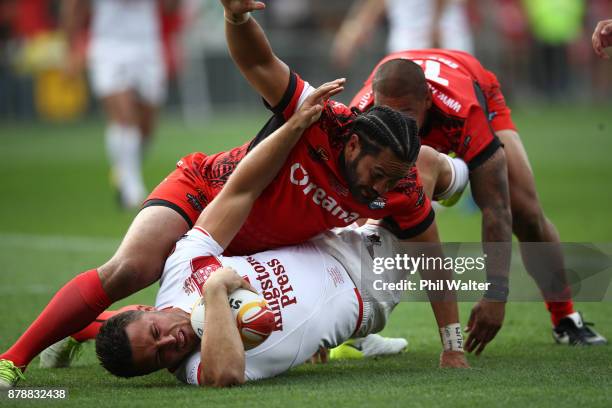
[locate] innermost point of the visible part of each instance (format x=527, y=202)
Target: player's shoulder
x=334, y=123
x=196, y=242
x=409, y=189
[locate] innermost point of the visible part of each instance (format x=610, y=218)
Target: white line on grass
x=31, y=289
x=65, y=243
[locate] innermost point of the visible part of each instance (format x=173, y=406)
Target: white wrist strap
x=452, y=338
x=241, y=19
x=460, y=177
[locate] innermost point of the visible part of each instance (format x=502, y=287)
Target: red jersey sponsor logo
x=449, y=102
x=365, y=100
x=299, y=177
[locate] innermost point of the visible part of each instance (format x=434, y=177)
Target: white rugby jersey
x=356, y=249
x=411, y=22
x=125, y=23
x=313, y=298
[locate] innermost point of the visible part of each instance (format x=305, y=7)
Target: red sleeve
x=364, y=99
x=478, y=140
x=412, y=210
x=296, y=92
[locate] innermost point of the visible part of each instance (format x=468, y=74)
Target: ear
x=352, y=148
x=428, y=100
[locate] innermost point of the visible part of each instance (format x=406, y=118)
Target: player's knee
x=528, y=223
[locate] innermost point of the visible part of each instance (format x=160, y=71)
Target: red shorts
x=186, y=190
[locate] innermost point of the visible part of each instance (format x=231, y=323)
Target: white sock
x=123, y=146
x=459, y=178
x=114, y=146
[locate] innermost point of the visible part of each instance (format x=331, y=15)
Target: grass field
x=58, y=217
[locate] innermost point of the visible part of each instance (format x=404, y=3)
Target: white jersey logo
x=299, y=176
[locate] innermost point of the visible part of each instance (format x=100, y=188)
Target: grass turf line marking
x=66, y=243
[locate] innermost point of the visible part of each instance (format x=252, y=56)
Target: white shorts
x=114, y=69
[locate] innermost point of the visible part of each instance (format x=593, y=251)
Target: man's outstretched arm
x=224, y=216
x=251, y=51
x=491, y=193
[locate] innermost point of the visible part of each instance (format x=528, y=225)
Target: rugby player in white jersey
x=413, y=25
x=310, y=288
x=127, y=73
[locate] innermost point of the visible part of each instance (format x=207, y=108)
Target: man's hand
x=310, y=111
x=453, y=359
x=320, y=357
x=227, y=279
x=602, y=38
x=239, y=7
x=485, y=321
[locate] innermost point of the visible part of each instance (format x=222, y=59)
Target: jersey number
x=432, y=71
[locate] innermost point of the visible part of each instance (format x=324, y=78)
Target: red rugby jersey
x=458, y=121
x=310, y=195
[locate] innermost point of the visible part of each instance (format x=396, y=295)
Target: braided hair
x=382, y=127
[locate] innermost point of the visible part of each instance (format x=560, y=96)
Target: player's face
x=370, y=176
x=161, y=340
x=407, y=105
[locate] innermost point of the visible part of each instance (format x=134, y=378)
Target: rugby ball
x=254, y=319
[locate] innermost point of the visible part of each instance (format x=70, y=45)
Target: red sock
x=91, y=331
x=559, y=310
x=71, y=309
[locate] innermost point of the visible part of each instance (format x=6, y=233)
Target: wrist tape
x=237, y=19
x=452, y=338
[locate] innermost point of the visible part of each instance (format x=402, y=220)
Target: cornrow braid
x=382, y=127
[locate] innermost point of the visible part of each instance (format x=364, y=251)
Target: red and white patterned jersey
x=466, y=98
x=309, y=194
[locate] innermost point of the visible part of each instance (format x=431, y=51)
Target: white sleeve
x=187, y=268
x=189, y=370
x=197, y=242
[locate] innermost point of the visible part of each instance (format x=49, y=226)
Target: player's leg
x=65, y=351
x=90, y=332
x=147, y=123
x=151, y=86
x=531, y=225
x=137, y=263
x=543, y=262
x=124, y=145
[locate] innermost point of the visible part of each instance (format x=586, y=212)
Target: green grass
x=58, y=217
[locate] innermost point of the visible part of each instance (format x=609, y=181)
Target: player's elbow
x=226, y=377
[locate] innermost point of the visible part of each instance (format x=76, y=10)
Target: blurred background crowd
x=540, y=50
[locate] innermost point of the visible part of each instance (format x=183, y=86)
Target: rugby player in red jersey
x=345, y=167
x=460, y=108
x=325, y=298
